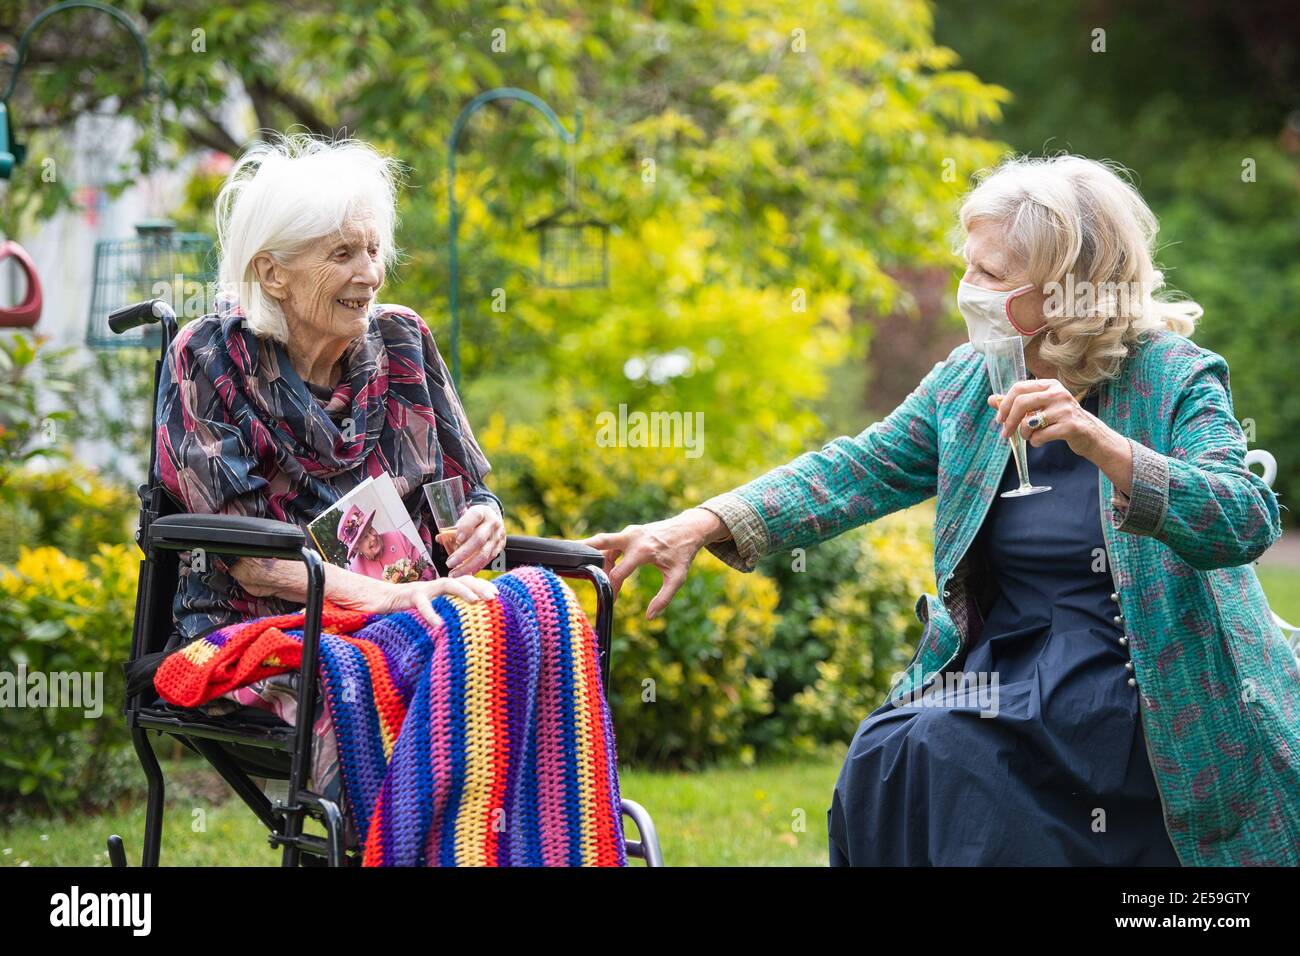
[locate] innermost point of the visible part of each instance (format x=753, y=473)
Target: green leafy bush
x=683, y=689
x=62, y=616
x=73, y=509
x=847, y=624
x=1231, y=251
x=30, y=372
x=870, y=627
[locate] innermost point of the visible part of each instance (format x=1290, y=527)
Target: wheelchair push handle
x=142, y=313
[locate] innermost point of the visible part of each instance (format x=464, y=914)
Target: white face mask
x=988, y=313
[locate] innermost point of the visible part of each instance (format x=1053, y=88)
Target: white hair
x=1076, y=222
x=288, y=192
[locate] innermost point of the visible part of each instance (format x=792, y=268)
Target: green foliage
x=682, y=688
x=28, y=371
x=868, y=622
x=847, y=625
x=72, y=509
x=1236, y=256
x=122, y=424
x=61, y=616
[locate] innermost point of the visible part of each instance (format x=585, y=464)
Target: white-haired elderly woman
x=302, y=385
x=297, y=389
x=1126, y=698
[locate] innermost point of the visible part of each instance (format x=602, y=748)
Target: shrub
x=1228, y=249
x=29, y=371
x=847, y=623
x=683, y=688
x=72, y=509
x=60, y=615
x=869, y=626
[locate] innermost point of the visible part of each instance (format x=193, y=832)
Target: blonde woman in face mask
x=1098, y=680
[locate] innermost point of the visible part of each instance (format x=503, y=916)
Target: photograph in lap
x=368, y=531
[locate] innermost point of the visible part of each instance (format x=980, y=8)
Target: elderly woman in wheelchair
x=452, y=709
x=320, y=373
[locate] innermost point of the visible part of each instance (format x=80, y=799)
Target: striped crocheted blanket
x=483, y=740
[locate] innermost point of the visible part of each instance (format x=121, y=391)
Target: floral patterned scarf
x=239, y=432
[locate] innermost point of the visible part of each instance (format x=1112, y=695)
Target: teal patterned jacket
x=1218, y=687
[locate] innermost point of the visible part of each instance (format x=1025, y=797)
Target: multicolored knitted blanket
x=482, y=740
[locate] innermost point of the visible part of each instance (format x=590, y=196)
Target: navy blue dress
x=1058, y=774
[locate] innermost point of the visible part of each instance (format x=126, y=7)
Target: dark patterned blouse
x=239, y=432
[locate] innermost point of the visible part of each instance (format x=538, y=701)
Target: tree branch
x=262, y=108
x=214, y=138
x=302, y=110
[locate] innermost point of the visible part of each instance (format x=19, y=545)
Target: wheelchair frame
x=164, y=532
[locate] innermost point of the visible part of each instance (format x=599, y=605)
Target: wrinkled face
x=991, y=265
x=371, y=544
x=329, y=287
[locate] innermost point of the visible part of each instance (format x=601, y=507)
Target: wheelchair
x=252, y=743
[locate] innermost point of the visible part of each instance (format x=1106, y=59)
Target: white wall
x=63, y=248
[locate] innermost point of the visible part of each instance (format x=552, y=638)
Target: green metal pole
x=150, y=88
x=472, y=107
x=44, y=15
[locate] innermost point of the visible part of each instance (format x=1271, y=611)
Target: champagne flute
x=447, y=503
x=1005, y=361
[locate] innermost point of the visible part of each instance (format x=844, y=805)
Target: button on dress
x=1059, y=773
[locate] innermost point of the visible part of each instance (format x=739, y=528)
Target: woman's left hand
x=1067, y=420
x=480, y=536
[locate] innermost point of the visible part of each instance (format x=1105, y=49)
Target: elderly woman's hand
x=267, y=577
x=422, y=594
x=480, y=536
x=670, y=545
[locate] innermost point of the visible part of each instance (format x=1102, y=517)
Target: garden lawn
x=729, y=817
x=773, y=815
x=1282, y=586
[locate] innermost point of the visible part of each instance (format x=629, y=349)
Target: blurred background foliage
x=781, y=180
x=1201, y=100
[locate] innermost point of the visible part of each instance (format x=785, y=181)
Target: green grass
x=743, y=817
x=721, y=817
x=732, y=817
x=1282, y=586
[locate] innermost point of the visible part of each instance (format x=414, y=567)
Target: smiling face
x=328, y=288
x=371, y=544
x=991, y=265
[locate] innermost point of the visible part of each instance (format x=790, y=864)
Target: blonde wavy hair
x=1073, y=223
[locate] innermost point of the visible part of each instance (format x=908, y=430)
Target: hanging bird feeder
x=157, y=263
x=573, y=250
x=574, y=245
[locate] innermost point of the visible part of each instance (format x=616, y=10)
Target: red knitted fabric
x=235, y=656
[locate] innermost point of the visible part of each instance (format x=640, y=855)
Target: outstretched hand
x=670, y=545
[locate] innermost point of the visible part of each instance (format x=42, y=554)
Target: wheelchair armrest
x=550, y=553
x=239, y=535
x=262, y=538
